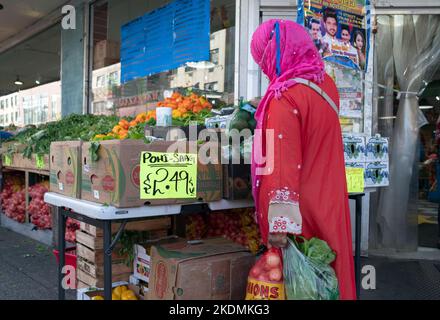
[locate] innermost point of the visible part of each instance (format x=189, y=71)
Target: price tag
x=168, y=175
x=61, y=186
x=355, y=180
x=8, y=160
x=96, y=194
x=39, y=159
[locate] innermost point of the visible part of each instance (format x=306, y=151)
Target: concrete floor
x=28, y=271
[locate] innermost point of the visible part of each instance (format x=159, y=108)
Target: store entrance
x=429, y=169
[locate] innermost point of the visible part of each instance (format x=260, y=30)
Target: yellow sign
x=8, y=160
x=355, y=180
x=168, y=175
x=39, y=161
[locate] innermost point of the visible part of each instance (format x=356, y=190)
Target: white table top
x=101, y=212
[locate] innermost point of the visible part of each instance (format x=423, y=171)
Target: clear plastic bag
x=306, y=278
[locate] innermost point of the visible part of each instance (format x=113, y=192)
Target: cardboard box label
x=161, y=280
x=168, y=175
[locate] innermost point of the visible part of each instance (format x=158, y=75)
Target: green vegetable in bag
x=306, y=270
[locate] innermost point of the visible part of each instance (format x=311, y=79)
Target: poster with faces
x=338, y=29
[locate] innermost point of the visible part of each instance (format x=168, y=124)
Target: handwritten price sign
x=168, y=175
x=355, y=180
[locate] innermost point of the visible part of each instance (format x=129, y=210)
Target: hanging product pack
x=265, y=280
x=307, y=271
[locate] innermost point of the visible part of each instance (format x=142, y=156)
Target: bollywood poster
x=339, y=29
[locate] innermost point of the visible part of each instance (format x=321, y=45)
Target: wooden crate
x=90, y=241
x=99, y=282
x=90, y=252
x=98, y=270
x=96, y=257
x=143, y=225
x=81, y=285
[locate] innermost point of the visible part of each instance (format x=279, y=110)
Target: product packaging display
x=376, y=149
x=354, y=148
x=377, y=174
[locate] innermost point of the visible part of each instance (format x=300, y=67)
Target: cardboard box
x=354, y=148
x=114, y=177
x=237, y=181
x=376, y=149
x=174, y=133
x=158, y=227
x=215, y=269
x=360, y=165
x=65, y=168
x=142, y=259
x=377, y=174
x=140, y=291
x=107, y=49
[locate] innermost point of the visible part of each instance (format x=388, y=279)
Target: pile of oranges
x=120, y=131
x=183, y=106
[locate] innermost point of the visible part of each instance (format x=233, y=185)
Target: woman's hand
x=277, y=240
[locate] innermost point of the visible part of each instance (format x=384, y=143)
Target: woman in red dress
x=298, y=169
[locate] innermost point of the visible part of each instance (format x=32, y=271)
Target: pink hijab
x=284, y=50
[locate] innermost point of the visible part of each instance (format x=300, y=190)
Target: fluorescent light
x=426, y=107
x=18, y=82
x=201, y=65
x=387, y=118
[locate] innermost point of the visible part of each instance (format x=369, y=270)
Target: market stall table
x=102, y=216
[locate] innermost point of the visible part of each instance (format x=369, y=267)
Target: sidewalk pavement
x=28, y=270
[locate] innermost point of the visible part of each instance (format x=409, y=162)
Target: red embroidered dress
x=308, y=171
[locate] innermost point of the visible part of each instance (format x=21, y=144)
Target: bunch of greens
x=72, y=127
x=316, y=249
x=127, y=241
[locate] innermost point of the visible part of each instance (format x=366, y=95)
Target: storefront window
x=32, y=68
x=213, y=78
x=408, y=111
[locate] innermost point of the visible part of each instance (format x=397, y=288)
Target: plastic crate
x=70, y=256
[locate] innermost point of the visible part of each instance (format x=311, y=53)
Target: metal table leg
x=61, y=251
x=357, y=261
x=107, y=260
